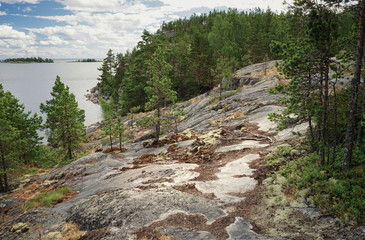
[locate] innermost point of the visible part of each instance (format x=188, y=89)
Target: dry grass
x=215, y=101
x=216, y=121
x=194, y=100
x=71, y=231
x=158, y=236
x=237, y=115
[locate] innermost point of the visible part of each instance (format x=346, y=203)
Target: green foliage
x=49, y=157
x=173, y=116
x=336, y=192
x=46, y=198
x=120, y=131
x=201, y=51
x=65, y=121
x=19, y=137
x=108, y=130
x=115, y=129
x=158, y=88
x=87, y=60
x=281, y=155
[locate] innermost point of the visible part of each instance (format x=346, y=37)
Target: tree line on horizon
x=28, y=60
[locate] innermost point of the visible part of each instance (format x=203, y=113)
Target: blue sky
x=88, y=28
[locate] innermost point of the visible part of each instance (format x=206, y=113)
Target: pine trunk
x=361, y=128
x=2, y=187
x=69, y=152
x=120, y=142
x=351, y=123
x=158, y=124
x=5, y=177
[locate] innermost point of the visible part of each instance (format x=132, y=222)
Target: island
x=87, y=60
x=28, y=60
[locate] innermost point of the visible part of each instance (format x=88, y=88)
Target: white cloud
x=27, y=9
x=7, y=32
x=94, y=26
x=15, y=43
x=53, y=40
x=92, y=5
x=3, y=13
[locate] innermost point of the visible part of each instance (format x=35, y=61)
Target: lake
x=32, y=83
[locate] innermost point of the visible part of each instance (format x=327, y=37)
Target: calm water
x=32, y=83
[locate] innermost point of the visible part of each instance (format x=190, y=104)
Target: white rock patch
x=229, y=181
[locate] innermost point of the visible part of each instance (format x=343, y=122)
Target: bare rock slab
x=128, y=210
x=178, y=233
x=242, y=230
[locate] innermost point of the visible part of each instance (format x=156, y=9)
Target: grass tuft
x=47, y=198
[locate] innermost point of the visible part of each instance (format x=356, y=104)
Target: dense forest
x=28, y=60
x=201, y=48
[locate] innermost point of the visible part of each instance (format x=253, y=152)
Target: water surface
x=32, y=83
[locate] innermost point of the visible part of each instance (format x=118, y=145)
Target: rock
x=247, y=80
x=132, y=209
x=19, y=227
x=54, y=236
x=183, y=233
x=242, y=230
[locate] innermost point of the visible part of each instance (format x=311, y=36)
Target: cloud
x=92, y=5
x=91, y=27
x=53, y=40
x=7, y=32
x=15, y=43
x=27, y=9
x=3, y=13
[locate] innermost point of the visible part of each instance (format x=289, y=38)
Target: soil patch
x=191, y=189
x=193, y=222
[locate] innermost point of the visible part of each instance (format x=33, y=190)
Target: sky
x=77, y=29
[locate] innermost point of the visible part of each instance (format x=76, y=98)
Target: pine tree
x=158, y=88
x=65, y=121
x=108, y=129
x=18, y=137
x=119, y=131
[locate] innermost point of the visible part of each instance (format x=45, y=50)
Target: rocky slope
x=204, y=183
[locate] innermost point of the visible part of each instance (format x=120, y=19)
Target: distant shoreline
x=27, y=60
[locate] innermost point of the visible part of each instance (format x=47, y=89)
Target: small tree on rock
x=65, y=121
x=159, y=88
x=119, y=131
